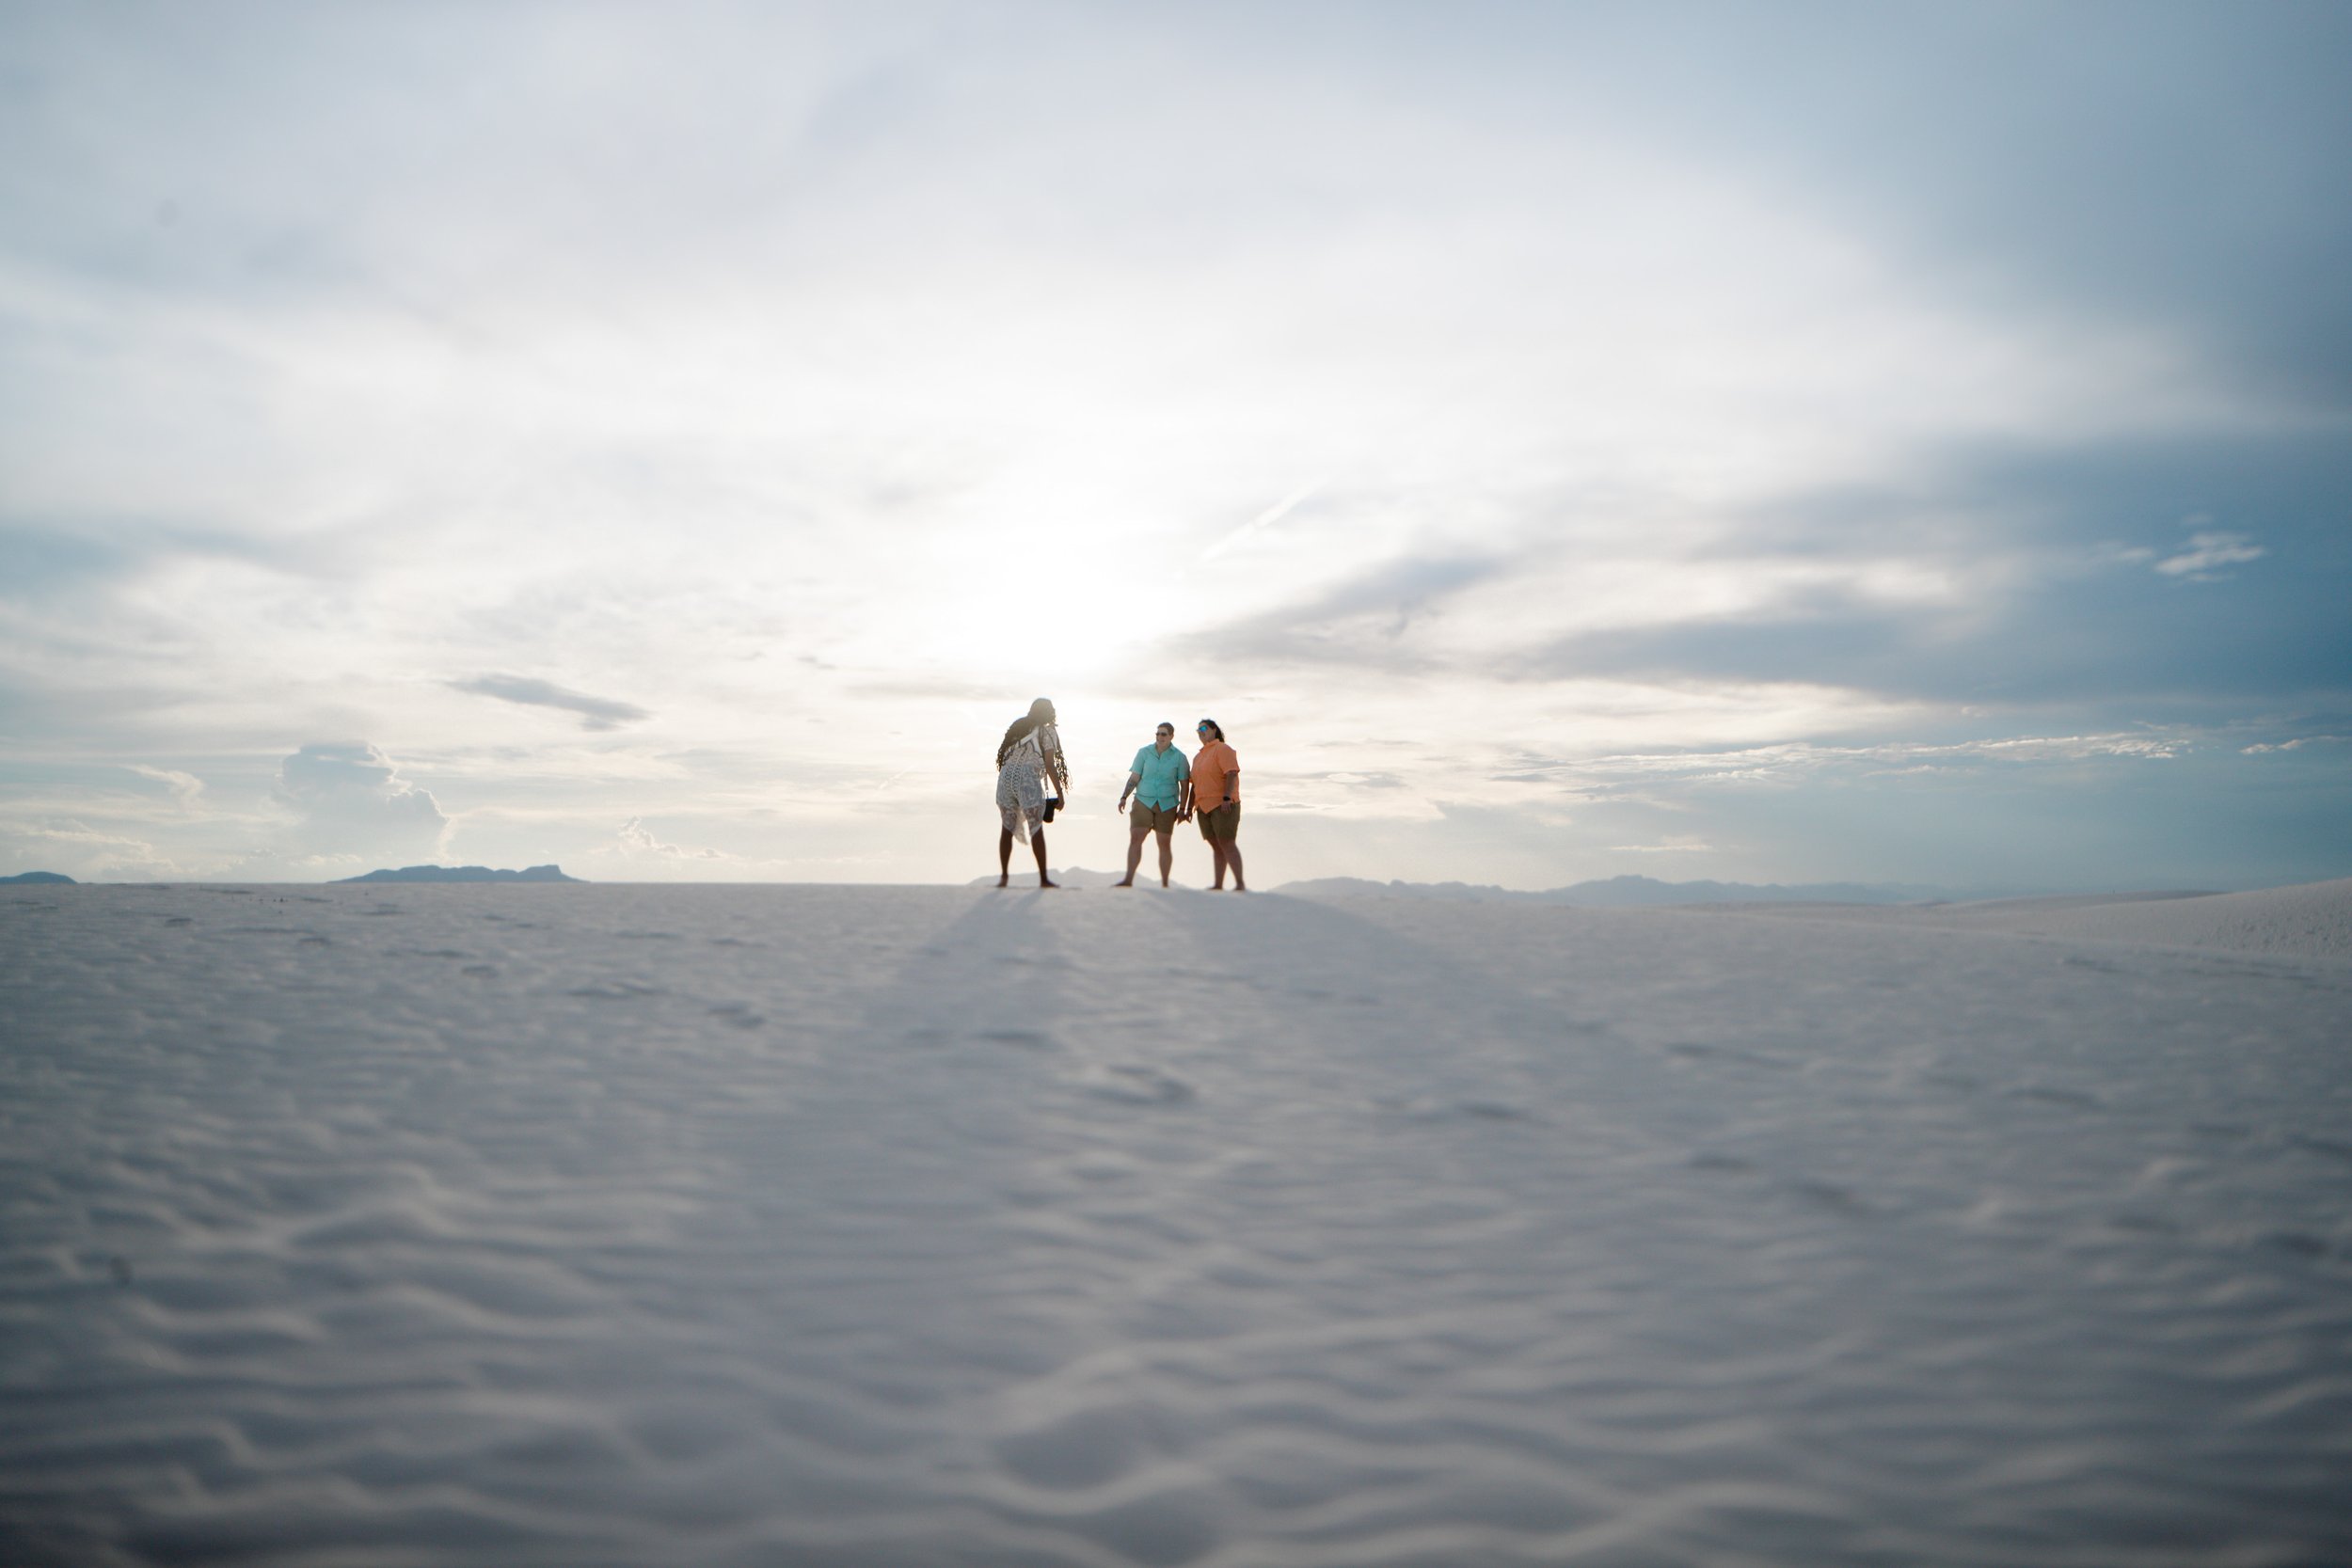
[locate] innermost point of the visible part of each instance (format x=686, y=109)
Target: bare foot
x=1129, y=882
x=1004, y=881
x=1043, y=882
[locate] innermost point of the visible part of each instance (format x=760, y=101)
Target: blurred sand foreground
x=663, y=1224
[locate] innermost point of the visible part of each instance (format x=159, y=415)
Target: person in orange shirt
x=1217, y=796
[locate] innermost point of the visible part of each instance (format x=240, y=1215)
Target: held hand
x=1122, y=802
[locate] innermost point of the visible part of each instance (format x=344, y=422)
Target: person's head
x=1163, y=737
x=1041, y=712
x=1210, y=729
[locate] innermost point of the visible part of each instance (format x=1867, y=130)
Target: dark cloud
x=596, y=713
x=2132, y=575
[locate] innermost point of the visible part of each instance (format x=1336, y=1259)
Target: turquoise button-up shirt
x=1160, y=773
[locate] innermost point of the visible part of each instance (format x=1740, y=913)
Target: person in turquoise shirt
x=1160, y=779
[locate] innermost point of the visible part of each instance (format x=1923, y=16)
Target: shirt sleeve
x=1184, y=766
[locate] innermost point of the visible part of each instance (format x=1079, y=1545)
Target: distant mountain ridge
x=43, y=879
x=465, y=874
x=1629, y=892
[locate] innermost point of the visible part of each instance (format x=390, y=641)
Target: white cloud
x=186, y=788
x=78, y=850
x=1791, y=761
x=638, y=839
x=2207, y=551
x=349, y=800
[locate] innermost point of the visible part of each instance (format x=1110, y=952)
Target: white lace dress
x=1021, y=781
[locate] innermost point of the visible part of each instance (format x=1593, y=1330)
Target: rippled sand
x=698, y=1226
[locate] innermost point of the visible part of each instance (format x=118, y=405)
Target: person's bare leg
x=1217, y=866
x=1004, y=857
x=1232, y=857
x=1037, y=842
x=1167, y=854
x=1135, y=854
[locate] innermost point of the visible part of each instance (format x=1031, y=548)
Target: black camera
x=1051, y=807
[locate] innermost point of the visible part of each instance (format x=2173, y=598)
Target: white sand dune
x=2310, y=922
x=596, y=1224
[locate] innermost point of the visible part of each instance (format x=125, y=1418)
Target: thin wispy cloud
x=1265, y=519
x=187, y=788
x=2207, y=552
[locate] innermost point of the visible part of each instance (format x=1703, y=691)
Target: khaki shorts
x=1158, y=820
x=1221, y=822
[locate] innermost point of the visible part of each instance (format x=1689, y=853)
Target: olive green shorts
x=1158, y=820
x=1220, y=823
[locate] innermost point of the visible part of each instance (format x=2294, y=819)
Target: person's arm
x=1233, y=788
x=1056, y=766
x=1133, y=779
x=1184, y=799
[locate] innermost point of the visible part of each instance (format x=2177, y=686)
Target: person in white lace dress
x=1028, y=758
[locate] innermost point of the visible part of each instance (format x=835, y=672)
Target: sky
x=1771, y=443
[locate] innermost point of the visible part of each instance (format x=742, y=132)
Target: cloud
x=348, y=798
x=40, y=561
x=596, y=713
x=1360, y=622
x=2208, y=551
x=2295, y=745
x=1265, y=519
x=638, y=839
x=1790, y=762
x=2052, y=600
x=74, y=847
x=2114, y=121
x=185, y=787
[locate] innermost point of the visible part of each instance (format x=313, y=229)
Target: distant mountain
x=54, y=879
x=465, y=874
x=1628, y=891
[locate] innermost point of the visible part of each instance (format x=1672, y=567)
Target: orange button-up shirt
x=1211, y=768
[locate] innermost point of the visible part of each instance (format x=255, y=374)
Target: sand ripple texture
x=749, y=1225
